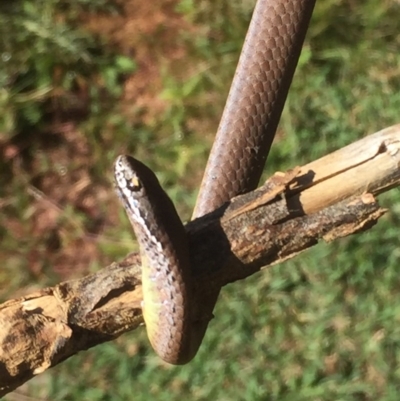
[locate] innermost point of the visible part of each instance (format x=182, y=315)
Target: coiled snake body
x=247, y=127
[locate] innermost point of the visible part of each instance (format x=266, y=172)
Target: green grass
x=324, y=326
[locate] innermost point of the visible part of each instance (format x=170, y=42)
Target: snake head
x=141, y=193
x=134, y=180
x=134, y=184
x=127, y=175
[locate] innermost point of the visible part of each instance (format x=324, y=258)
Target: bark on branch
x=329, y=198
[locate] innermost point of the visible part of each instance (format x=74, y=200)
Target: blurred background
x=84, y=81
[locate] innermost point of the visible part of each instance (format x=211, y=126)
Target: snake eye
x=134, y=184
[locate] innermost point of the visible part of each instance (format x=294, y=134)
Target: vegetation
x=81, y=83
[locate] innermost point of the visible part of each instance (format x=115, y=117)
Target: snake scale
x=252, y=112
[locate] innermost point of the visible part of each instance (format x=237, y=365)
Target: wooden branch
x=329, y=198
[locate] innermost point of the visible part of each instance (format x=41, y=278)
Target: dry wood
x=326, y=199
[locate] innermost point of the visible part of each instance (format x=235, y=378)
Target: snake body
x=166, y=278
x=255, y=101
x=248, y=125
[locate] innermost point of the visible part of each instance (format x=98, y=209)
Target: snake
x=249, y=121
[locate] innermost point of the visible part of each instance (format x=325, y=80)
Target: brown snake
x=259, y=89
